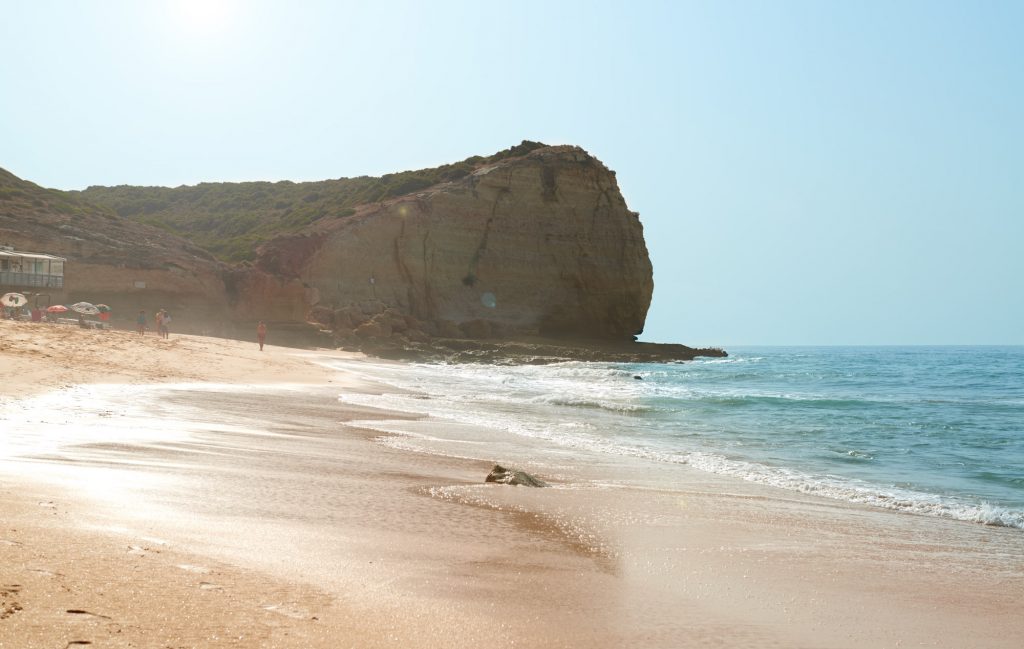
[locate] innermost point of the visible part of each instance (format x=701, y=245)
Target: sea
x=935, y=431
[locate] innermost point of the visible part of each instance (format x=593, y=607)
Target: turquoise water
x=927, y=430
x=928, y=421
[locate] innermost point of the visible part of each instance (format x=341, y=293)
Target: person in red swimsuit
x=261, y=334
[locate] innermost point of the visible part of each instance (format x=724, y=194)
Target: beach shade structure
x=13, y=299
x=57, y=308
x=85, y=308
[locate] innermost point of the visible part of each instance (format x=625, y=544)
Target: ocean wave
x=855, y=491
x=753, y=406
x=727, y=361
x=832, y=487
x=585, y=402
x=801, y=400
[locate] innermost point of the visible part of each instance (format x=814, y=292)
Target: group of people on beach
x=163, y=323
x=162, y=318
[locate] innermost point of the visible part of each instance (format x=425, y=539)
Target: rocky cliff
x=127, y=265
x=540, y=244
x=532, y=244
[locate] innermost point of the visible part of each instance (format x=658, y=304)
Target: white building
x=22, y=270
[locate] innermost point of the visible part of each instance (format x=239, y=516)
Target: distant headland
x=528, y=255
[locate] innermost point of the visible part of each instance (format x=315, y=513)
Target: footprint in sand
x=86, y=614
x=143, y=550
x=8, y=605
x=44, y=572
x=206, y=585
x=287, y=610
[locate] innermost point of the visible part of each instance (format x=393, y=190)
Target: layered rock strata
x=541, y=244
x=531, y=254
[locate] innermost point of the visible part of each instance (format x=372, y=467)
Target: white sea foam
x=581, y=408
x=399, y=436
x=855, y=491
x=566, y=400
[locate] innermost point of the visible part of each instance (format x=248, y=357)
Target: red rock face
x=541, y=244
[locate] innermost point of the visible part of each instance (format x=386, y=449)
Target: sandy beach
x=196, y=492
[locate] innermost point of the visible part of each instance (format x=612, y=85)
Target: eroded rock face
x=540, y=244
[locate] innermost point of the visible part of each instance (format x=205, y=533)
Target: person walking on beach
x=165, y=325
x=261, y=334
x=140, y=321
x=159, y=318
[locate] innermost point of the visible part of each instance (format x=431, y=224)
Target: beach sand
x=254, y=516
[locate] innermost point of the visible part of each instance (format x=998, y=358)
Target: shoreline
x=713, y=561
x=282, y=546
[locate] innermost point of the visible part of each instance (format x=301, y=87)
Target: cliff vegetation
x=231, y=220
x=21, y=197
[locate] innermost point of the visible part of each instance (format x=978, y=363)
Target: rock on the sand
x=513, y=477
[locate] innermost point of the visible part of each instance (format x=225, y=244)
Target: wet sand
x=241, y=514
x=285, y=499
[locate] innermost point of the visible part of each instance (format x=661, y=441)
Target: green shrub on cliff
x=230, y=220
x=22, y=197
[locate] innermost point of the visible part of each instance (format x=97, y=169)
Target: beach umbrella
x=84, y=308
x=13, y=299
x=103, y=308
x=56, y=308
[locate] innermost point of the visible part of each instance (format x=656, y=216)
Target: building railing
x=30, y=280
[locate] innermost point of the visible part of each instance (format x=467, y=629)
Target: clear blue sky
x=806, y=172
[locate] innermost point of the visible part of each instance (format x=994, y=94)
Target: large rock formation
x=534, y=244
x=537, y=244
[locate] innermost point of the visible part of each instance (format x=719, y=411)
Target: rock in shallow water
x=511, y=476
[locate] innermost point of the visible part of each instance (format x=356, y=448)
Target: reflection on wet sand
x=270, y=479
x=396, y=547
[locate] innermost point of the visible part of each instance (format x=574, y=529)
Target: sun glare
x=203, y=15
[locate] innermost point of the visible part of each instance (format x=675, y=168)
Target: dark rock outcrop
x=502, y=475
x=530, y=352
